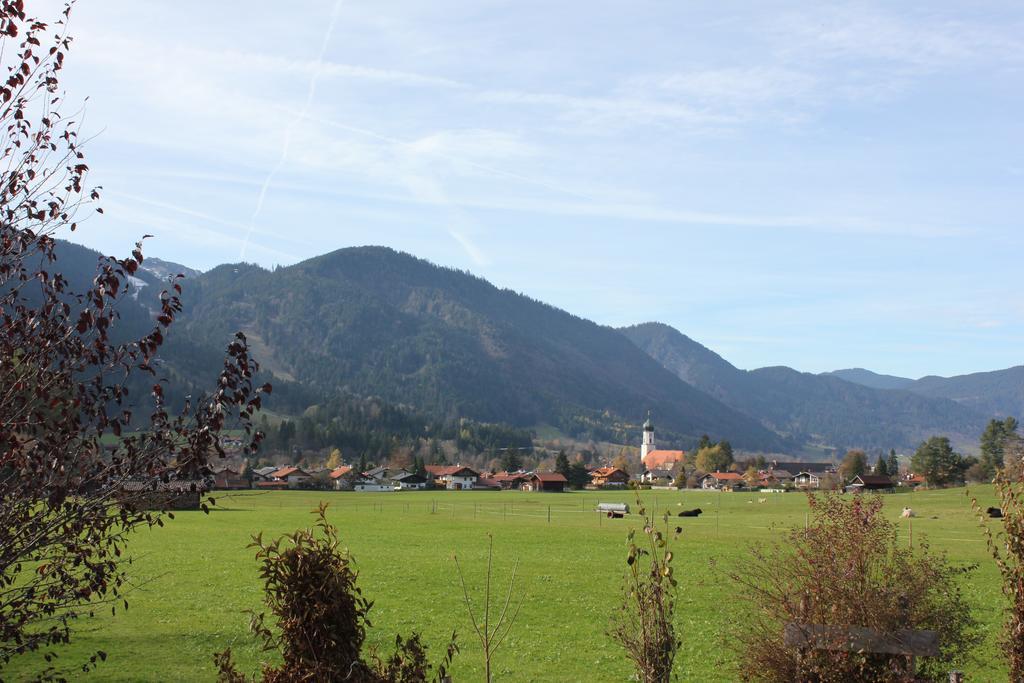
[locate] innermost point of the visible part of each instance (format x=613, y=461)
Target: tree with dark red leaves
x=78, y=471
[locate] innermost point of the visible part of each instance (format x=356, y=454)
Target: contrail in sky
x=310, y=92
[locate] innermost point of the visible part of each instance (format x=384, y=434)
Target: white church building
x=654, y=458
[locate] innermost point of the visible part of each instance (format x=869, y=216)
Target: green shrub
x=320, y=617
x=846, y=570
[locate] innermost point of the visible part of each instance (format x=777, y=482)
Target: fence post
x=549, y=514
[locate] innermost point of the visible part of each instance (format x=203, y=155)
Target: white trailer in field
x=614, y=510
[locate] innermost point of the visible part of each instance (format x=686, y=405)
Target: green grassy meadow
x=195, y=578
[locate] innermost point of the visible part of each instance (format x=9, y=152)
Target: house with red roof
x=341, y=478
x=546, y=482
x=609, y=477
x=293, y=476
x=511, y=480
x=487, y=484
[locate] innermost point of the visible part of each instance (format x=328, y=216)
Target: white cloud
x=926, y=39
x=732, y=86
x=608, y=111
x=473, y=144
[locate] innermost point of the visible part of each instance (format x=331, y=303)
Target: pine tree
x=726, y=450
x=362, y=463
x=936, y=461
x=562, y=464
x=511, y=462
x=993, y=443
x=881, y=467
x=894, y=463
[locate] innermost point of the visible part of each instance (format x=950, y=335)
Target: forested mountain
x=372, y=322
x=807, y=407
x=996, y=393
x=165, y=269
x=871, y=379
x=1000, y=392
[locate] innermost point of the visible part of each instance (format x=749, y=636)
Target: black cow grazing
x=691, y=513
x=994, y=513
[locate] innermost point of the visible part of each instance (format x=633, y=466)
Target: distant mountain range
x=371, y=321
x=998, y=393
x=871, y=379
x=826, y=409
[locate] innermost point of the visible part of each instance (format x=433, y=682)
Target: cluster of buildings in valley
x=661, y=469
x=449, y=477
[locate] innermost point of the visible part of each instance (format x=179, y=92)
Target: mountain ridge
x=375, y=322
x=871, y=379
x=810, y=408
x=996, y=392
x=372, y=320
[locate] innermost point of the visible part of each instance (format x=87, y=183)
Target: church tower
x=648, y=443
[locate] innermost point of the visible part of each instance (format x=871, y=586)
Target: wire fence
x=568, y=509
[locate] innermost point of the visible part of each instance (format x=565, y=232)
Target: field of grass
x=196, y=578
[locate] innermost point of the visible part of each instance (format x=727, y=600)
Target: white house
x=409, y=481
x=718, y=480
x=807, y=480
x=453, y=477
x=657, y=477
x=372, y=485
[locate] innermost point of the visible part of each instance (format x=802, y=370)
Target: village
x=775, y=479
x=657, y=469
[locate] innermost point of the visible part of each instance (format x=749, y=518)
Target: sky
x=819, y=185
